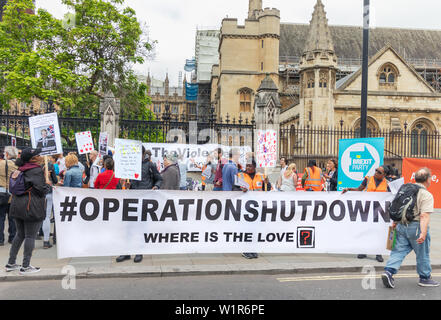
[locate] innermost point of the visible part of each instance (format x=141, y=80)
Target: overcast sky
x=173, y=23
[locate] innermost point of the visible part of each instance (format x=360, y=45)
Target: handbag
x=4, y=196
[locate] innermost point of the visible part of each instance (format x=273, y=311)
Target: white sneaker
x=12, y=267
x=29, y=270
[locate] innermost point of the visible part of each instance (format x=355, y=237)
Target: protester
x=49, y=204
x=7, y=166
x=182, y=165
x=73, y=176
x=230, y=170
x=288, y=180
x=107, y=180
x=61, y=161
x=94, y=168
x=283, y=166
x=220, y=165
x=414, y=236
x=150, y=180
x=376, y=183
x=171, y=179
x=53, y=160
x=312, y=179
x=390, y=173
x=256, y=182
x=27, y=209
x=332, y=175
x=208, y=172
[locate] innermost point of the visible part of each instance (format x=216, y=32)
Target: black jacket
x=31, y=206
x=333, y=182
x=150, y=177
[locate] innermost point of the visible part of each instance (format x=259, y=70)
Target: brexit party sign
x=358, y=158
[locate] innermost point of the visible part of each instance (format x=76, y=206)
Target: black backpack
x=401, y=208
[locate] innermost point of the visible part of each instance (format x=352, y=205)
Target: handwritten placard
x=84, y=142
x=266, y=149
x=128, y=159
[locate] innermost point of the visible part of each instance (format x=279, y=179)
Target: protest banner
x=411, y=166
x=45, y=134
x=115, y=222
x=102, y=144
x=84, y=142
x=186, y=152
x=128, y=159
x=358, y=158
x=266, y=149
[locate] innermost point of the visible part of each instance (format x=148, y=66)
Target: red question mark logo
x=308, y=233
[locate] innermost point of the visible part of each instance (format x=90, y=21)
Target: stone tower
x=318, y=72
x=247, y=53
x=255, y=7
x=166, y=85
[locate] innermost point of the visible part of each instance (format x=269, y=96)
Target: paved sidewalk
x=203, y=264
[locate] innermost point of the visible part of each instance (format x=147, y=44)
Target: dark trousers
x=26, y=232
x=4, y=212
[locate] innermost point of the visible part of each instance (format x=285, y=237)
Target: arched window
x=372, y=128
x=388, y=75
x=419, y=139
x=245, y=99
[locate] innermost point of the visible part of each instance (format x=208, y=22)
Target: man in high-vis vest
x=376, y=183
x=256, y=182
x=312, y=179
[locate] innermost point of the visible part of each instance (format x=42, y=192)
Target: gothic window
x=323, y=80
x=157, y=108
x=175, y=109
x=245, y=99
x=311, y=83
x=419, y=139
x=372, y=128
x=388, y=75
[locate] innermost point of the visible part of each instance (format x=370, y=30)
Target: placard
x=103, y=143
x=128, y=159
x=45, y=134
x=358, y=158
x=84, y=142
x=266, y=155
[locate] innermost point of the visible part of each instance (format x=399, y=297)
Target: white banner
x=187, y=152
x=119, y=222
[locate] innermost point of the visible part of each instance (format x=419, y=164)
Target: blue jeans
x=11, y=228
x=406, y=242
x=217, y=189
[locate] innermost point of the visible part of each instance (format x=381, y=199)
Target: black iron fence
x=146, y=127
x=299, y=145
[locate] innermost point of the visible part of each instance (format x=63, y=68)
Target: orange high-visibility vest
x=203, y=177
x=255, y=184
x=372, y=186
x=314, y=180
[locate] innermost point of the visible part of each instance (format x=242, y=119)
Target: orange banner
x=410, y=166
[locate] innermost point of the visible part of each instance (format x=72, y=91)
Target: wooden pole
x=46, y=168
x=87, y=158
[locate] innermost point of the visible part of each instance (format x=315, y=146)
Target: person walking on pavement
x=150, y=180
x=7, y=167
x=171, y=178
x=312, y=179
x=376, y=183
x=28, y=208
x=256, y=182
x=414, y=236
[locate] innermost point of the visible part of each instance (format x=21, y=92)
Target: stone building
x=174, y=98
x=317, y=69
